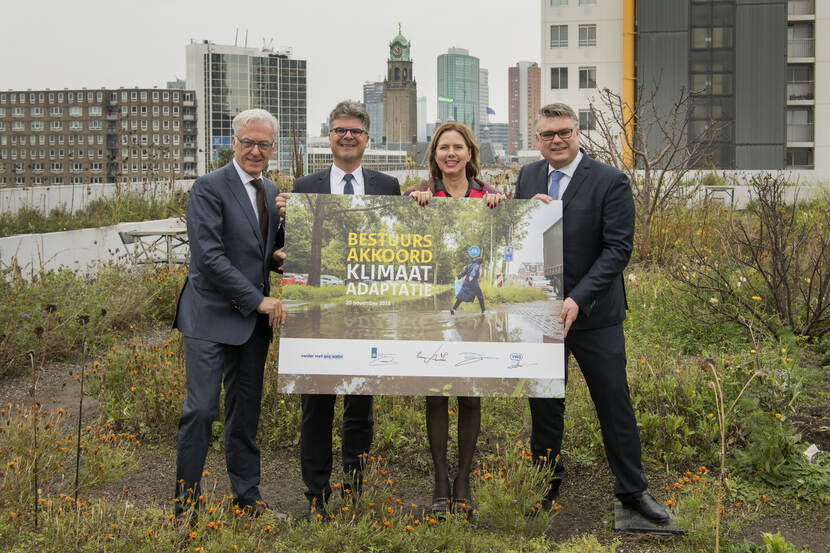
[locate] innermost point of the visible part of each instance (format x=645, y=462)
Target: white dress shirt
x=567, y=173
x=338, y=182
x=249, y=188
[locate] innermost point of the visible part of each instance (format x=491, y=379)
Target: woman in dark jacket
x=453, y=166
x=470, y=288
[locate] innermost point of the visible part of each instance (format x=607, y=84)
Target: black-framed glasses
x=249, y=144
x=341, y=131
x=547, y=136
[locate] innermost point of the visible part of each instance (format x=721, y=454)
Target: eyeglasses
x=249, y=144
x=341, y=131
x=547, y=136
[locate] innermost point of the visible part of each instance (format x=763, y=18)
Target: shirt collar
x=337, y=174
x=569, y=169
x=245, y=177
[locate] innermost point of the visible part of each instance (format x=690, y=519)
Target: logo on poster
x=374, y=353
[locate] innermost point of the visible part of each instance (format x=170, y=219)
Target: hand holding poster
x=374, y=309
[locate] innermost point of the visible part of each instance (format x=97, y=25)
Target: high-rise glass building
x=230, y=79
x=458, y=88
x=373, y=102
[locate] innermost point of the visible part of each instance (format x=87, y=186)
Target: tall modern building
x=373, y=102
x=760, y=68
x=483, y=95
x=55, y=137
x=230, y=79
x=422, y=118
x=400, y=114
x=458, y=88
x=524, y=101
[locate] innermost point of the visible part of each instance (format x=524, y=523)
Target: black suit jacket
x=230, y=261
x=598, y=237
x=374, y=183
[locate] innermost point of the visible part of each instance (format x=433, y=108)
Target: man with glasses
x=598, y=237
x=348, y=138
x=225, y=311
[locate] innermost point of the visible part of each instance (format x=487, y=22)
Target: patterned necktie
x=553, y=189
x=262, y=212
x=348, y=189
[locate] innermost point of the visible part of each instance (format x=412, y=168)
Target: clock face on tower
x=396, y=49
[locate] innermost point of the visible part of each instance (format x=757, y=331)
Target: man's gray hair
x=347, y=108
x=250, y=115
x=558, y=109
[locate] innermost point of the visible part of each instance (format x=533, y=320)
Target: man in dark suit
x=225, y=312
x=598, y=236
x=348, y=137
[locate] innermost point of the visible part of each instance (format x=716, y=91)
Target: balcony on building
x=801, y=48
x=800, y=132
x=800, y=8
x=801, y=92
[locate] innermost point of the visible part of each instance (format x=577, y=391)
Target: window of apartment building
x=18, y=112
x=144, y=139
x=60, y=97
x=144, y=125
x=70, y=97
x=20, y=180
x=31, y=98
x=144, y=111
x=143, y=95
x=587, y=35
x=36, y=125
x=133, y=95
x=75, y=111
x=2, y=112
x=156, y=111
x=37, y=112
x=2, y=98
x=37, y=180
x=175, y=125
x=72, y=139
x=95, y=126
x=37, y=167
x=558, y=36
x=175, y=96
x=75, y=125
x=57, y=180
x=57, y=167
x=165, y=124
x=41, y=97
x=76, y=180
x=165, y=110
x=558, y=78
x=51, y=97
x=99, y=96
x=587, y=77
x=52, y=153
x=165, y=96
x=75, y=167
x=175, y=110
x=95, y=167
x=18, y=125
x=56, y=111
x=94, y=111
x=587, y=122
x=89, y=97
x=155, y=139
x=123, y=95
x=155, y=96
x=711, y=37
x=133, y=110
x=156, y=125
x=2, y=125
x=60, y=139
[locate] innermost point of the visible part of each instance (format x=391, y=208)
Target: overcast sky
x=95, y=43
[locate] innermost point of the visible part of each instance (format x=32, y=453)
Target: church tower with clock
x=400, y=115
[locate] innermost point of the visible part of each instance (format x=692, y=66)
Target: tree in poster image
x=438, y=219
x=481, y=225
x=330, y=218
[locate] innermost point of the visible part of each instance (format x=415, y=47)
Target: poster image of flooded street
x=388, y=297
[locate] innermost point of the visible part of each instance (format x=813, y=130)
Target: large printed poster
x=453, y=298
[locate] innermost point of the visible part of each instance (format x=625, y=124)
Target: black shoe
x=646, y=505
x=550, y=496
x=317, y=512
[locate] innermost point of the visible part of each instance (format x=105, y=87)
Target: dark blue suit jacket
x=374, y=183
x=230, y=262
x=598, y=237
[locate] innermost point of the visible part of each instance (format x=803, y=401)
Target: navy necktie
x=348, y=189
x=553, y=189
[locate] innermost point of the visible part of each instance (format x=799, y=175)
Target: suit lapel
x=580, y=175
x=370, y=183
x=542, y=177
x=237, y=188
x=324, y=184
